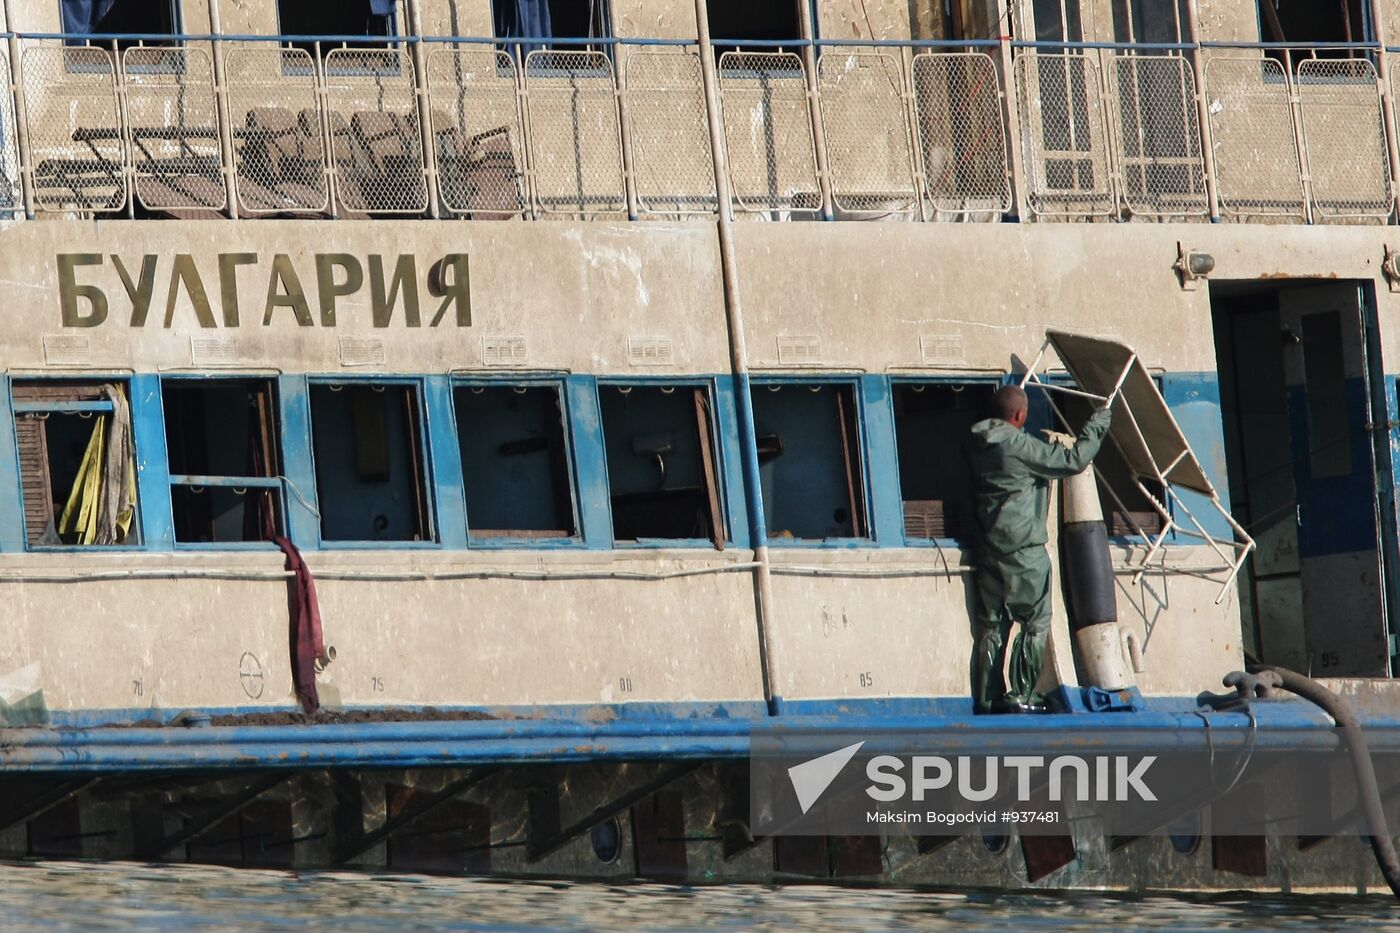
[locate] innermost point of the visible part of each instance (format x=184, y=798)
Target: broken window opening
x=369, y=18
x=809, y=456
x=1055, y=21
x=120, y=17
x=77, y=463
x=224, y=475
x=777, y=21
x=1115, y=474
x=1152, y=21
x=551, y=19
x=515, y=462
x=662, y=476
x=1302, y=22
x=932, y=422
x=367, y=442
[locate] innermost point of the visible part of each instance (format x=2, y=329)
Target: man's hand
x=1058, y=437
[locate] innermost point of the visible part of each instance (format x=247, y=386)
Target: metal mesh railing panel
x=1158, y=145
x=76, y=140
x=1252, y=134
x=1063, y=132
x=673, y=169
x=173, y=128
x=279, y=152
x=869, y=151
x=962, y=142
x=376, y=143
x=474, y=109
x=575, y=138
x=1344, y=137
x=768, y=132
x=11, y=189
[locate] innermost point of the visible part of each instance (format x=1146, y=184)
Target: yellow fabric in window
x=80, y=513
x=102, y=502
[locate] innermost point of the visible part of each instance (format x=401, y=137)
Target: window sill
x=960, y=544
x=505, y=543
x=829, y=543
x=677, y=543
x=379, y=545
x=85, y=548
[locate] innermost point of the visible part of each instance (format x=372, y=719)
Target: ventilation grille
x=794, y=351
x=650, y=351
x=504, y=351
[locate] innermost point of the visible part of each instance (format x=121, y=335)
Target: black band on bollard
x=1088, y=572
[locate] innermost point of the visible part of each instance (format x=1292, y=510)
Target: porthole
x=607, y=840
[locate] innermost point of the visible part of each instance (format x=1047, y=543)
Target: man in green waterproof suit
x=1011, y=473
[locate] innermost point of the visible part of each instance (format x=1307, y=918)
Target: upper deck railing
x=339, y=126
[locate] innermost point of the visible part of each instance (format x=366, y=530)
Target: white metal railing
x=619, y=129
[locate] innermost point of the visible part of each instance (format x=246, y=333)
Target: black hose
x=1367, y=791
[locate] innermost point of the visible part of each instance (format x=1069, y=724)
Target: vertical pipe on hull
x=221, y=108
x=26, y=178
x=809, y=57
x=420, y=94
x=1198, y=71
x=738, y=351
x=1392, y=142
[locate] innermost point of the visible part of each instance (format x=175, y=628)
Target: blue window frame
x=76, y=461
x=664, y=478
x=224, y=461
x=370, y=455
x=518, y=477
x=812, y=464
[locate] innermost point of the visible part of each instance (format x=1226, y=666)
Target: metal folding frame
x=1170, y=500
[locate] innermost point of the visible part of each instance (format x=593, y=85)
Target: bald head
x=1011, y=405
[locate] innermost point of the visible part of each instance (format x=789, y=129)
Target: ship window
x=367, y=441
x=932, y=422
x=221, y=440
x=1150, y=21
x=1116, y=478
x=120, y=17
x=661, y=466
x=1301, y=23
x=336, y=18
x=776, y=20
x=809, y=460
x=76, y=460
x=547, y=19
x=1057, y=21
x=515, y=463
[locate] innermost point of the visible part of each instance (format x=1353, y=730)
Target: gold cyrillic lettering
x=69, y=291
x=405, y=277
x=185, y=271
x=327, y=287
x=451, y=281
x=284, y=289
x=141, y=294
x=228, y=283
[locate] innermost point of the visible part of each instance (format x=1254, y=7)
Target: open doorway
x=1298, y=375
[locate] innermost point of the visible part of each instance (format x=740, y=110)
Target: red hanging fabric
x=308, y=647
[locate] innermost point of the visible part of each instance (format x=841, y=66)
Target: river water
x=73, y=896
